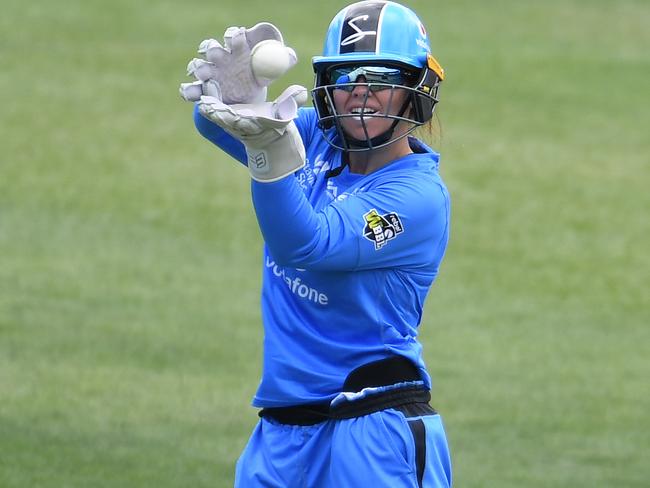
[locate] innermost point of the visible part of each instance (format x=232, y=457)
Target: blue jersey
x=347, y=262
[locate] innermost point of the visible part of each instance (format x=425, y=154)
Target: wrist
x=273, y=160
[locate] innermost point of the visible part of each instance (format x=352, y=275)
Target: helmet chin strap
x=369, y=144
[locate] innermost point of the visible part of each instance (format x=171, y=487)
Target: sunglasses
x=378, y=77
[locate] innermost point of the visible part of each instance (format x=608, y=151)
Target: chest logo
x=381, y=229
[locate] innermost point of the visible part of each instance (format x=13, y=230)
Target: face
x=364, y=106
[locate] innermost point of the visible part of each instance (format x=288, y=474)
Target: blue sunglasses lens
x=373, y=74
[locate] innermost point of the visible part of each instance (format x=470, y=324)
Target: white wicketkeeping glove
x=266, y=129
x=229, y=66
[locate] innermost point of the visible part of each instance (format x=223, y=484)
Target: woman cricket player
x=355, y=219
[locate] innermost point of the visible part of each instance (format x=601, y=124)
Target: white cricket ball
x=271, y=59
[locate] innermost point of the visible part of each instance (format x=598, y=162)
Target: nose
x=360, y=90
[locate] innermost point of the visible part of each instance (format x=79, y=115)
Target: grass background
x=129, y=254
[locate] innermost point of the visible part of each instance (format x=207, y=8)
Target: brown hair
x=431, y=132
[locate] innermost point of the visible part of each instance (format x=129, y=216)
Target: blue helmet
x=377, y=33
x=373, y=31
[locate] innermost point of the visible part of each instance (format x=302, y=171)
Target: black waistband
x=384, y=372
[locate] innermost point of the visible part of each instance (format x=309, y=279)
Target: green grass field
x=130, y=340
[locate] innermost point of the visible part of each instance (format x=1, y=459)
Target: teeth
x=362, y=111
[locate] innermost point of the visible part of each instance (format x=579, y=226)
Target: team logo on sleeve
x=380, y=229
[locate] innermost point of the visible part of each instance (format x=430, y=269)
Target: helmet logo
x=358, y=33
x=423, y=31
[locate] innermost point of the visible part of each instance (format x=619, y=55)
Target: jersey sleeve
x=219, y=137
x=398, y=222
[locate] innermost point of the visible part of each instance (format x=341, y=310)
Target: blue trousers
x=385, y=449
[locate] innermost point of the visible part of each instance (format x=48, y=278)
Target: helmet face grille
x=416, y=110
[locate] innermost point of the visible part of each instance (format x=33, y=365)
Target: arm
x=340, y=237
x=232, y=146
x=215, y=134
